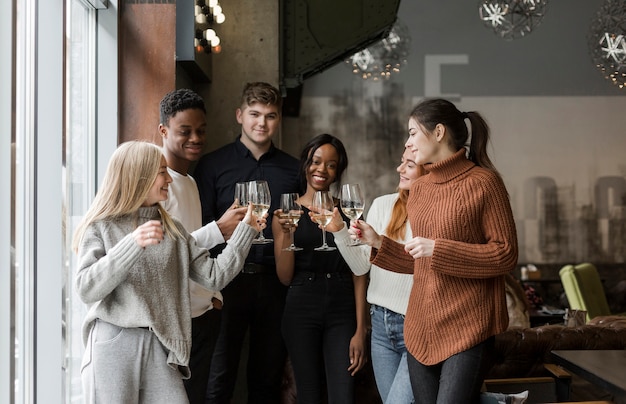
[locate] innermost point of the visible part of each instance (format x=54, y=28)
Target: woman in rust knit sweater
x=464, y=243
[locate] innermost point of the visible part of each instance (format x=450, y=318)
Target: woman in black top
x=324, y=323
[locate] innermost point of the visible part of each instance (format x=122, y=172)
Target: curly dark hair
x=179, y=100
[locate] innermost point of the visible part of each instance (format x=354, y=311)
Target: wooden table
x=604, y=368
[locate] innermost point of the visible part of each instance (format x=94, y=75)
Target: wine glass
x=291, y=211
x=241, y=194
x=259, y=195
x=323, y=205
x=352, y=204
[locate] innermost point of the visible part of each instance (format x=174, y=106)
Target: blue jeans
x=457, y=379
x=389, y=356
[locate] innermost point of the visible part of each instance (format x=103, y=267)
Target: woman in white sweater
x=135, y=262
x=388, y=292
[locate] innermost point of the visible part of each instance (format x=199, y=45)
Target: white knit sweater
x=386, y=289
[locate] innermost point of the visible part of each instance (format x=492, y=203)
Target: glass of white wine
x=259, y=195
x=323, y=206
x=291, y=211
x=241, y=194
x=352, y=204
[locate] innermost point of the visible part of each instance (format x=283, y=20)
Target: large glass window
x=79, y=172
x=23, y=229
x=7, y=193
x=53, y=101
x=48, y=149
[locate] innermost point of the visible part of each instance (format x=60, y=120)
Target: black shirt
x=217, y=173
x=308, y=235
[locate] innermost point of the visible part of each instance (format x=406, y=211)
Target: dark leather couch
x=522, y=352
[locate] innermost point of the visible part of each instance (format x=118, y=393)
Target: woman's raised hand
x=419, y=247
x=366, y=233
x=253, y=220
x=336, y=222
x=149, y=233
x=286, y=224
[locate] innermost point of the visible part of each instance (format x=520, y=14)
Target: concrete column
x=250, y=52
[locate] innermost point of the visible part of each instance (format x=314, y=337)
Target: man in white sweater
x=183, y=131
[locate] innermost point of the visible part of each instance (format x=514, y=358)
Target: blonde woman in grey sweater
x=135, y=262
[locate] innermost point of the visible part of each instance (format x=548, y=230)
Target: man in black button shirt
x=254, y=300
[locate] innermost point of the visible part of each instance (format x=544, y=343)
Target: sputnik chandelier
x=207, y=14
x=607, y=41
x=384, y=57
x=513, y=18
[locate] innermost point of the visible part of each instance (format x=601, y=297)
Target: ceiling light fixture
x=384, y=57
x=207, y=14
x=512, y=19
x=607, y=41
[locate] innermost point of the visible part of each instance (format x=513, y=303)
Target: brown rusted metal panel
x=147, y=65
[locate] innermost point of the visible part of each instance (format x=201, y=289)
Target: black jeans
x=458, y=379
x=318, y=324
x=252, y=303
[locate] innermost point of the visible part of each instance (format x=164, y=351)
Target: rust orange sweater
x=458, y=298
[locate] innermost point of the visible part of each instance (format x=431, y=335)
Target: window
x=50, y=97
x=79, y=173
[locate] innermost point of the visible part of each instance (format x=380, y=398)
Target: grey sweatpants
x=128, y=365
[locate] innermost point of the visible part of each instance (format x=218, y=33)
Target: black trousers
x=204, y=332
x=252, y=303
x=318, y=324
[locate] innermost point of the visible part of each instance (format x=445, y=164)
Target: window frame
x=32, y=95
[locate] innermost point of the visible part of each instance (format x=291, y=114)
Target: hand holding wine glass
x=259, y=195
x=323, y=206
x=366, y=234
x=252, y=220
x=291, y=212
x=241, y=194
x=352, y=204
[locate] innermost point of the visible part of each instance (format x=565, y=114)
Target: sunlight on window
x=79, y=174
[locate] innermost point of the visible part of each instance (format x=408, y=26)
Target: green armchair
x=584, y=289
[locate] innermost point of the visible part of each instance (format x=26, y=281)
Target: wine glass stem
x=291, y=236
x=356, y=241
x=323, y=236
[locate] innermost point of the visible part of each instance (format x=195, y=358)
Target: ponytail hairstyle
x=131, y=172
x=431, y=112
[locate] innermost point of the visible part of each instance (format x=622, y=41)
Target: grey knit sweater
x=130, y=286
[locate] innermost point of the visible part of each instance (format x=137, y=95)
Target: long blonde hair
x=131, y=172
